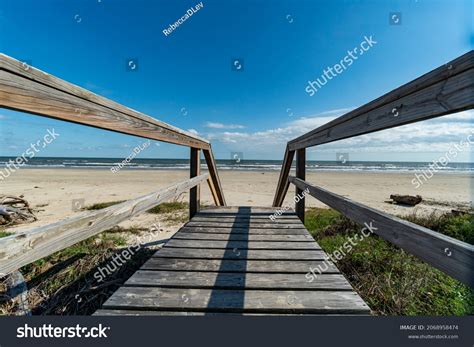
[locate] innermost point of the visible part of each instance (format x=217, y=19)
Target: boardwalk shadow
x=220, y=295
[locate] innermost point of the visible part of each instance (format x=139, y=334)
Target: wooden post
x=214, y=182
x=194, y=193
x=283, y=183
x=300, y=173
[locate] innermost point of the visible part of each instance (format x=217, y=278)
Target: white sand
x=52, y=191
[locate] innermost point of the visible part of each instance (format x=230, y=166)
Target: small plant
x=102, y=205
x=391, y=281
x=4, y=233
x=168, y=207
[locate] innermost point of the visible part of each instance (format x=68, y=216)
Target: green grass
x=168, y=207
x=165, y=207
x=4, y=234
x=102, y=205
x=391, y=281
x=173, y=212
x=56, y=280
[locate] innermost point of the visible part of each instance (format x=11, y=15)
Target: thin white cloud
x=434, y=135
x=193, y=131
x=214, y=125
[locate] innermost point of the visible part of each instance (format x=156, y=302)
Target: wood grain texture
x=453, y=257
x=23, y=248
x=31, y=90
x=243, y=231
x=194, y=192
x=237, y=272
x=236, y=253
x=136, y=313
x=243, y=237
x=241, y=245
x=283, y=184
x=247, y=281
x=300, y=173
x=281, y=301
x=215, y=183
x=242, y=210
x=243, y=224
x=243, y=265
x=242, y=219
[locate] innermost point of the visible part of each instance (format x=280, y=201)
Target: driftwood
x=15, y=210
x=406, y=199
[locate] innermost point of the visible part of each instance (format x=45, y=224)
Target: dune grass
x=4, y=233
x=64, y=283
x=391, y=281
x=102, y=205
x=168, y=207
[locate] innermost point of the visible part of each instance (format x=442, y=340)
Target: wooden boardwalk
x=235, y=260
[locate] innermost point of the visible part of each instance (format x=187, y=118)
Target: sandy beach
x=56, y=193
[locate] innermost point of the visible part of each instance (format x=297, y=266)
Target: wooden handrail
x=27, y=246
x=445, y=90
x=454, y=257
x=27, y=89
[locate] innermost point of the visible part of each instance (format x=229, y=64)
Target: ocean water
x=243, y=165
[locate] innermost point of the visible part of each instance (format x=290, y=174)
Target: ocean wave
x=245, y=165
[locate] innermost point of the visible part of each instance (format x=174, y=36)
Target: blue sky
x=186, y=78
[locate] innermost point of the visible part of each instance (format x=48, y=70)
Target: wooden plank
x=34, y=91
x=243, y=231
x=207, y=313
x=445, y=90
x=256, y=225
x=217, y=192
x=242, y=210
x=247, y=281
x=283, y=184
x=252, y=254
x=243, y=237
x=253, y=216
x=454, y=257
x=210, y=265
x=263, y=215
x=264, y=220
x=262, y=301
x=195, y=192
x=241, y=245
x=27, y=246
x=301, y=174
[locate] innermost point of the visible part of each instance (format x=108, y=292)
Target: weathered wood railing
x=27, y=89
x=445, y=90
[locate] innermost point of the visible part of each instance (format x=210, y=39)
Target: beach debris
x=409, y=200
x=15, y=210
